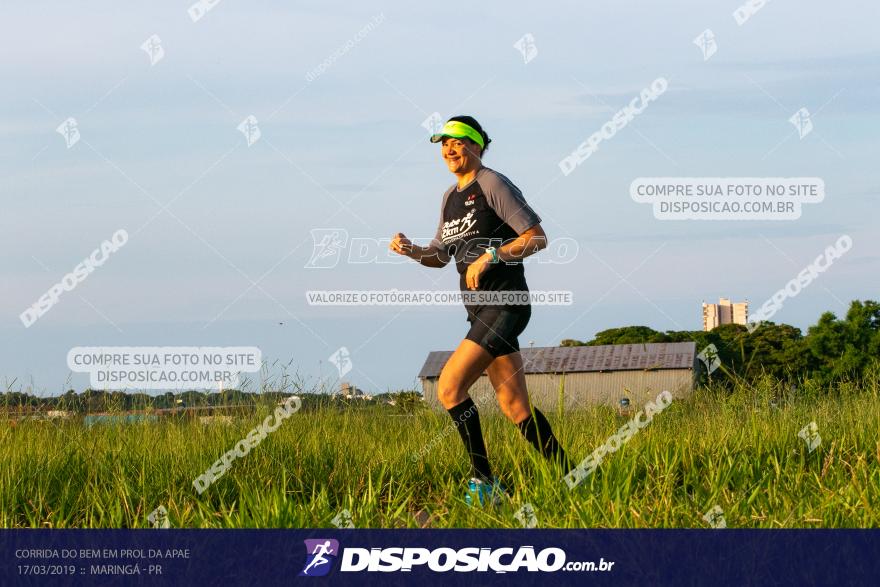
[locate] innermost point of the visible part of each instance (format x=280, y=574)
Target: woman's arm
x=428, y=256
x=528, y=243
x=531, y=241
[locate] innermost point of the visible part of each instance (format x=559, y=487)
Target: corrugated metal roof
x=574, y=359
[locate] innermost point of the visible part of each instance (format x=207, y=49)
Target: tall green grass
x=737, y=450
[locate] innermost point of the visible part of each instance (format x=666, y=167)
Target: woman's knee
x=450, y=392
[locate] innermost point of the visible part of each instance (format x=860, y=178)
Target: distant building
x=581, y=376
x=221, y=419
x=126, y=418
x=349, y=391
x=725, y=312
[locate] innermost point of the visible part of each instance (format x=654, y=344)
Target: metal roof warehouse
x=579, y=376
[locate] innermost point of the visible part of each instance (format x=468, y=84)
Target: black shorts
x=496, y=329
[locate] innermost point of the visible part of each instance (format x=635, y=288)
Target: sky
x=221, y=231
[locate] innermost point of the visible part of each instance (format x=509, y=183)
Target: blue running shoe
x=483, y=492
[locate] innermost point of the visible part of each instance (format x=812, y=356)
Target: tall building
x=725, y=312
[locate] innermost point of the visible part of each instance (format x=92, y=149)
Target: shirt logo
x=471, y=199
x=459, y=226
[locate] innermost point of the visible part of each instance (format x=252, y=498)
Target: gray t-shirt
x=489, y=211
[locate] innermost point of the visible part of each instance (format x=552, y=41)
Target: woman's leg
x=462, y=369
x=508, y=378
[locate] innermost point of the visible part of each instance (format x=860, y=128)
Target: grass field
x=738, y=451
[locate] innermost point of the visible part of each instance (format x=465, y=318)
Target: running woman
x=484, y=208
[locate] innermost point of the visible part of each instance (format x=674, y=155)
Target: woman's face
x=461, y=155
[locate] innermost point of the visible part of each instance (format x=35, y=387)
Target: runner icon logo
x=321, y=553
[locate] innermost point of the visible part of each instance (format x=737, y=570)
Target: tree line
x=93, y=401
x=834, y=349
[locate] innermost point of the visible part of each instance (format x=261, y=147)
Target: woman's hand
x=401, y=245
x=476, y=269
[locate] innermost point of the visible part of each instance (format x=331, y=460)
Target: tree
x=845, y=348
x=627, y=335
x=833, y=349
x=778, y=350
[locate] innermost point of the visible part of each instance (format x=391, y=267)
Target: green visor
x=458, y=130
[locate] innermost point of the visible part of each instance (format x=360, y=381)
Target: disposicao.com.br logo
x=322, y=553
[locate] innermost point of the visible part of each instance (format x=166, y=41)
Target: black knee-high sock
x=537, y=431
x=467, y=421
